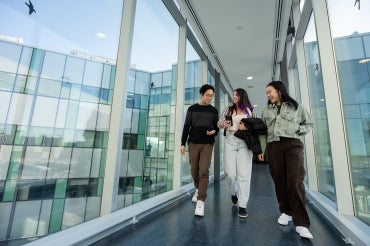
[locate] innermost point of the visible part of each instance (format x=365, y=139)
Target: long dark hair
x=284, y=96
x=243, y=103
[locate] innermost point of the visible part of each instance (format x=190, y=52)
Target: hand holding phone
x=229, y=118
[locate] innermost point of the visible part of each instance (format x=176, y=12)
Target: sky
x=93, y=27
x=346, y=18
x=66, y=25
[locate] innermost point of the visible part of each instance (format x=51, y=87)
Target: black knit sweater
x=199, y=119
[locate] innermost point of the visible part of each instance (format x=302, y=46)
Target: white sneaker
x=195, y=196
x=284, y=219
x=199, y=208
x=303, y=232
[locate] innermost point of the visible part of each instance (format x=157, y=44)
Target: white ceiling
x=242, y=34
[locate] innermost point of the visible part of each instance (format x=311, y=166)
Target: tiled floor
x=177, y=225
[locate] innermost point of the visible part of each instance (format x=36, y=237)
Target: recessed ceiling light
x=364, y=60
x=249, y=77
x=101, y=35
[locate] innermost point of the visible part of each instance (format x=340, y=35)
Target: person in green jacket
x=287, y=121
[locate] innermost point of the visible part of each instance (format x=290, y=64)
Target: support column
x=179, y=107
x=337, y=131
x=216, y=155
x=114, y=149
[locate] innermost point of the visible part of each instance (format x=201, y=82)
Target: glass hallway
x=177, y=225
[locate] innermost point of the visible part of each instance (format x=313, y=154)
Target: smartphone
x=229, y=118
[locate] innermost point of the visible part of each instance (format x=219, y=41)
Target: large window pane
x=193, y=82
x=57, y=74
x=352, y=45
x=318, y=107
x=147, y=116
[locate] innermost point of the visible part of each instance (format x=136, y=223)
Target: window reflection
x=147, y=134
x=352, y=52
x=55, y=111
x=318, y=107
x=193, y=81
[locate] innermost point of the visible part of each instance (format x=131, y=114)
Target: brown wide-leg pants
x=200, y=156
x=286, y=163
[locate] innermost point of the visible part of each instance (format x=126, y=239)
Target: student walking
x=200, y=129
x=237, y=157
x=287, y=122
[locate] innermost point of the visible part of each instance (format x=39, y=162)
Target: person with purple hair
x=237, y=157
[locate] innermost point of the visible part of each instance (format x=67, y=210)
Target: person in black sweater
x=200, y=129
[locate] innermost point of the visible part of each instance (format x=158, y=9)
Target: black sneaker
x=242, y=213
x=234, y=199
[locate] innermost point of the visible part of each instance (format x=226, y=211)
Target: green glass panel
x=144, y=102
x=138, y=182
x=140, y=142
x=99, y=139
x=105, y=143
x=20, y=136
x=100, y=187
x=142, y=121
x=13, y=170
x=56, y=215
x=112, y=77
x=102, y=162
x=9, y=190
x=36, y=61
x=15, y=160
x=136, y=198
x=60, y=188
x=110, y=98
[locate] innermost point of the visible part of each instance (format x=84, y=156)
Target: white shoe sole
x=199, y=214
x=304, y=234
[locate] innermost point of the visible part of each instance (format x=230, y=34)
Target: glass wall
x=54, y=138
x=56, y=85
x=133, y=185
x=324, y=163
x=147, y=155
x=193, y=82
x=57, y=78
x=352, y=51
x=225, y=100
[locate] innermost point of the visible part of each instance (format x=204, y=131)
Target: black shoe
x=234, y=199
x=242, y=213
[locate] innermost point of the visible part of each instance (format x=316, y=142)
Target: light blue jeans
x=238, y=168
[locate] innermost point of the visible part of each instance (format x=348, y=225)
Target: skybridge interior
x=93, y=99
